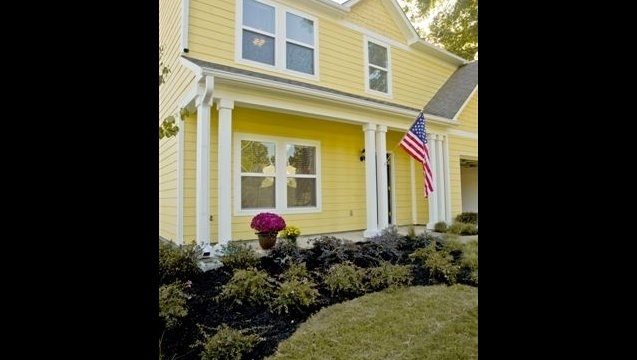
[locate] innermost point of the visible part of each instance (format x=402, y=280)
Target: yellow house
x=298, y=107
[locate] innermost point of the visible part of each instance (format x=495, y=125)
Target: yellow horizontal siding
x=459, y=148
x=468, y=119
x=342, y=173
x=416, y=76
x=373, y=15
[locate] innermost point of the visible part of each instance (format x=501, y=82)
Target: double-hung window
x=378, y=61
x=277, y=174
x=277, y=37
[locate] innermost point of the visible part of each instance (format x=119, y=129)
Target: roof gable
x=454, y=93
x=400, y=24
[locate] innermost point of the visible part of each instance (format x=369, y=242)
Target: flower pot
x=267, y=240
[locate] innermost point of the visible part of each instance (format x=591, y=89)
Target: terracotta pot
x=267, y=240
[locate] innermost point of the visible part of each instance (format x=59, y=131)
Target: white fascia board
x=463, y=134
x=325, y=6
x=185, y=17
x=421, y=44
x=196, y=69
x=466, y=101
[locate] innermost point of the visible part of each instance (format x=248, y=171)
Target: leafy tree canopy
x=453, y=26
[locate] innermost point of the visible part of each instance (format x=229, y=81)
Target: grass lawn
x=423, y=322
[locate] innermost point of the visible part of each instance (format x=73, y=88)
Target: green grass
x=423, y=322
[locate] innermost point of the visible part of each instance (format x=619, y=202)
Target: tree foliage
x=457, y=29
x=453, y=24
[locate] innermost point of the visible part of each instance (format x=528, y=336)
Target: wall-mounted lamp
x=362, y=157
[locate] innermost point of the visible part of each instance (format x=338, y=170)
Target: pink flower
x=267, y=223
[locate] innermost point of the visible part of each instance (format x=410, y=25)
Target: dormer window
x=277, y=37
x=378, y=75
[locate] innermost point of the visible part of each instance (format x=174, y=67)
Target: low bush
x=441, y=227
x=345, y=279
x=389, y=276
x=439, y=263
x=294, y=295
x=238, y=256
x=227, y=343
x=248, y=286
x=178, y=263
x=467, y=218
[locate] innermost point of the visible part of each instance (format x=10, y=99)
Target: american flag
x=415, y=143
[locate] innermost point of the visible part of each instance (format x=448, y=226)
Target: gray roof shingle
x=454, y=92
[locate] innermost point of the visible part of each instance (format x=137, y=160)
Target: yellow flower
x=291, y=232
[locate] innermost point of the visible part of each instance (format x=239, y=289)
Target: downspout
x=185, y=15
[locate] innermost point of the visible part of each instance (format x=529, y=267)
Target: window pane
x=258, y=47
x=257, y=157
x=304, y=194
x=302, y=159
x=299, y=58
x=299, y=29
x=258, y=16
x=257, y=192
x=378, y=79
x=377, y=55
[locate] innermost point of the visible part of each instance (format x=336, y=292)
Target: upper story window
x=278, y=37
x=378, y=63
x=277, y=174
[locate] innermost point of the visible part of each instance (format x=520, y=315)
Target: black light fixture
x=362, y=157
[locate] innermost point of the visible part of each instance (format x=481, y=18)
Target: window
x=378, y=75
x=277, y=37
x=277, y=174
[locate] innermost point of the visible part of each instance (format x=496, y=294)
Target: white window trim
x=369, y=90
x=280, y=40
x=281, y=190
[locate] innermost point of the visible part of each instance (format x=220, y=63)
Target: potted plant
x=267, y=226
x=291, y=232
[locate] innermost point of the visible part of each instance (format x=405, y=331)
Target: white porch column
x=180, y=185
x=381, y=177
x=224, y=156
x=370, y=180
x=433, y=197
x=440, y=180
x=203, y=101
x=446, y=175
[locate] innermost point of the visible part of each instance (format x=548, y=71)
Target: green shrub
x=172, y=303
x=345, y=278
x=296, y=271
x=228, y=343
x=469, y=229
x=439, y=263
x=452, y=245
x=441, y=227
x=463, y=229
x=238, y=256
x=249, y=286
x=297, y=293
x=178, y=263
x=469, y=262
x=389, y=276
x=467, y=218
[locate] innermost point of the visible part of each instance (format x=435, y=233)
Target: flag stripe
x=415, y=144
